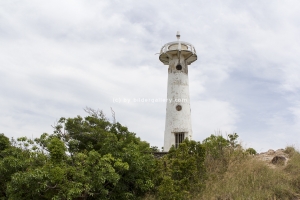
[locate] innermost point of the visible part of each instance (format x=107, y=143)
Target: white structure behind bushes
x=177, y=55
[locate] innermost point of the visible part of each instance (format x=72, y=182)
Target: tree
x=97, y=133
x=182, y=171
x=4, y=142
x=85, y=158
x=251, y=151
x=13, y=159
x=214, y=145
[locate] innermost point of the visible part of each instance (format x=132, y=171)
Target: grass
x=250, y=179
x=239, y=176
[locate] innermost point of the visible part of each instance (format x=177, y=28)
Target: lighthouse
x=178, y=56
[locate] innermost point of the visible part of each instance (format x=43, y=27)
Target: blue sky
x=57, y=57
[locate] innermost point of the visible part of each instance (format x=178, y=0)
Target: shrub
x=293, y=167
x=181, y=172
x=249, y=178
x=251, y=151
x=290, y=150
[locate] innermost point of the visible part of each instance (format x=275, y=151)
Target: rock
x=278, y=160
x=271, y=152
x=279, y=151
x=273, y=158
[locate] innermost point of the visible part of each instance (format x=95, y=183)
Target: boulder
x=270, y=152
x=278, y=160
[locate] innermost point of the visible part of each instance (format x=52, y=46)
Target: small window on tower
x=178, y=108
x=179, y=67
x=179, y=137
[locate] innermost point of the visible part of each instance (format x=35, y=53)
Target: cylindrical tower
x=178, y=55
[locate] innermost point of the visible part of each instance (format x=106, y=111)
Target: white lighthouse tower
x=177, y=55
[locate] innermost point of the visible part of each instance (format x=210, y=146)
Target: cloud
x=58, y=57
x=213, y=116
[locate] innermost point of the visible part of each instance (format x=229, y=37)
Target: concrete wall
x=178, y=91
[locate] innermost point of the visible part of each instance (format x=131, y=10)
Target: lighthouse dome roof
x=178, y=47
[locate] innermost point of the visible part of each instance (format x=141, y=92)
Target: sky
x=58, y=57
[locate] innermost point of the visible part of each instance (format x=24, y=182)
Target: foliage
x=293, y=166
x=233, y=173
x=290, y=150
x=249, y=178
x=12, y=160
x=86, y=177
x=92, y=158
x=85, y=158
x=251, y=151
x=96, y=133
x=215, y=145
x=218, y=152
x=4, y=142
x=181, y=172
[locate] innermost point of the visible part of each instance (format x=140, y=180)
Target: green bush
x=290, y=151
x=91, y=158
x=85, y=158
x=181, y=174
x=293, y=167
x=4, y=142
x=251, y=151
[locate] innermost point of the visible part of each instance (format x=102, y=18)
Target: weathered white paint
x=172, y=54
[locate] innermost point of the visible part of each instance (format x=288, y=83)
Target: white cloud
x=58, y=57
x=213, y=116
